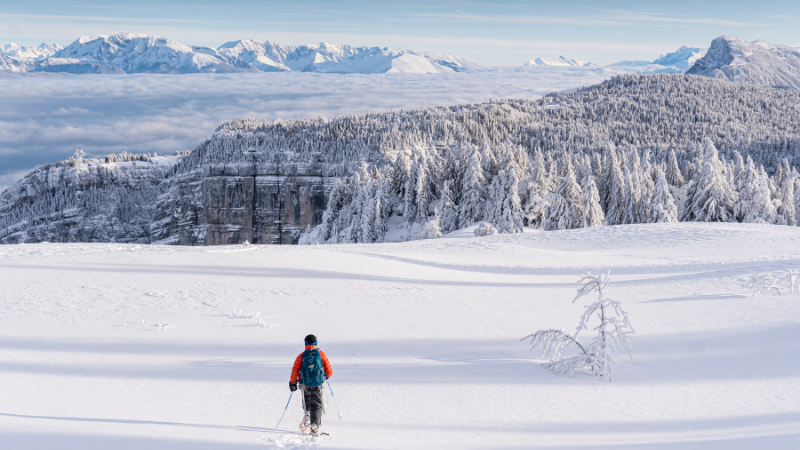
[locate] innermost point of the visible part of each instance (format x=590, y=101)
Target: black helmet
x=311, y=339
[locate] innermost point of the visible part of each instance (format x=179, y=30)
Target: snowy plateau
x=128, y=347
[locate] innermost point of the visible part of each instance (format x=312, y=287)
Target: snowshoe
x=305, y=425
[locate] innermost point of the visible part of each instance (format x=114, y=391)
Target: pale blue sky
x=492, y=33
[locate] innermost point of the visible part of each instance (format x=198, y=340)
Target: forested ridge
x=585, y=158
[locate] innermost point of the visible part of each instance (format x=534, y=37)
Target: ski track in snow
x=423, y=337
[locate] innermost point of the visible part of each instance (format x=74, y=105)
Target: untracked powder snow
x=110, y=346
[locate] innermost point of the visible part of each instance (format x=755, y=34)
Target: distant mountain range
x=137, y=53
x=677, y=61
x=680, y=60
x=728, y=58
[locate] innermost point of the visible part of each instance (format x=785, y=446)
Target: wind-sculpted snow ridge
x=139, y=53
x=757, y=62
x=268, y=181
x=85, y=200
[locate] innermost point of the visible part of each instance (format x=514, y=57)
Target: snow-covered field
x=44, y=119
x=423, y=337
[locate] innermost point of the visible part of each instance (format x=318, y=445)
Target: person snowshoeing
x=310, y=370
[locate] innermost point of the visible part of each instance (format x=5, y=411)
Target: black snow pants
x=312, y=402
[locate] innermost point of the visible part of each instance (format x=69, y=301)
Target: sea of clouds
x=46, y=118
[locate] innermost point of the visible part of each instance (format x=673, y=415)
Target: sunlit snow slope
x=423, y=338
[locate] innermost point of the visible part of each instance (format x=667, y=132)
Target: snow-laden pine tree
x=556, y=209
x=590, y=203
x=370, y=214
x=570, y=191
x=613, y=331
x=662, y=205
x=508, y=211
x=536, y=186
x=448, y=215
x=646, y=186
x=631, y=197
x=755, y=204
x=337, y=200
x=615, y=213
x=709, y=198
x=470, y=210
x=787, y=211
x=673, y=174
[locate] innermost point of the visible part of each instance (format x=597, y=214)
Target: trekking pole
x=284, y=410
x=334, y=398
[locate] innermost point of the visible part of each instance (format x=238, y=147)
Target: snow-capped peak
x=757, y=62
x=41, y=51
x=683, y=58
x=560, y=61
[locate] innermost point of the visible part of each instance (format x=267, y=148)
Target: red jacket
x=298, y=364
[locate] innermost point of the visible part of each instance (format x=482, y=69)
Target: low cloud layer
x=45, y=119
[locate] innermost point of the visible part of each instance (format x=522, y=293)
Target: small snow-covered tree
x=485, y=229
x=613, y=331
x=791, y=278
x=427, y=230
x=764, y=282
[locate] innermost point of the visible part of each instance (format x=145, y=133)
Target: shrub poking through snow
x=612, y=335
x=485, y=229
x=773, y=283
x=764, y=282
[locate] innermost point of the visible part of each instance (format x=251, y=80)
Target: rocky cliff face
x=232, y=203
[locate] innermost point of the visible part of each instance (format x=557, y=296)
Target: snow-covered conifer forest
x=634, y=149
